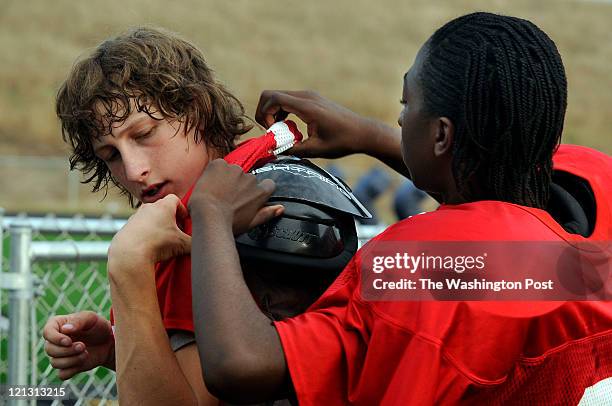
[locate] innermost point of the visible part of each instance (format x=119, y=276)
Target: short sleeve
x=180, y=338
x=323, y=345
x=345, y=350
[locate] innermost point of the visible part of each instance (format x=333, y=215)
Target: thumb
x=266, y=214
x=81, y=321
x=181, y=211
x=184, y=243
x=268, y=186
x=305, y=149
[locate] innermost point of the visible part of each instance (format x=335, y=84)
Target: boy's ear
x=445, y=131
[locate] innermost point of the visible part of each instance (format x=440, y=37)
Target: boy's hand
x=333, y=130
x=151, y=234
x=79, y=342
x=233, y=196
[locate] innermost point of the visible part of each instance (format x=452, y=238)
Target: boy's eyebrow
x=128, y=128
x=134, y=123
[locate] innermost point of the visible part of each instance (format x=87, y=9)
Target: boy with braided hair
x=483, y=110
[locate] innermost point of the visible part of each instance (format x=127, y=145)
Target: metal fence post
x=20, y=300
x=1, y=241
x=2, y=319
x=1, y=261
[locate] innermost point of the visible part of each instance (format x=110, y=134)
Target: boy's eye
x=144, y=134
x=111, y=156
x=403, y=102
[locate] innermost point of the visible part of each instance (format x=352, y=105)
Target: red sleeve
x=173, y=282
x=595, y=167
x=342, y=352
x=320, y=352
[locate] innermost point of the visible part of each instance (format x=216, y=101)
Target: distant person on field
x=407, y=200
x=368, y=188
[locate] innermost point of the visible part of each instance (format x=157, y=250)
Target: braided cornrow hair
x=501, y=81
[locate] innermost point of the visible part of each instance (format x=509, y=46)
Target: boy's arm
x=240, y=350
x=148, y=371
x=189, y=361
x=333, y=130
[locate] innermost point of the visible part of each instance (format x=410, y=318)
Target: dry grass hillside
x=353, y=51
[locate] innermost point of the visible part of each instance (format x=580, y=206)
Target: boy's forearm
x=237, y=343
x=384, y=143
x=147, y=369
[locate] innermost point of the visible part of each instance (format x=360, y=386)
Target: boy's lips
x=154, y=192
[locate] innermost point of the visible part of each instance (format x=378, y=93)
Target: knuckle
x=45, y=333
x=318, y=109
x=268, y=187
x=171, y=199
x=273, y=99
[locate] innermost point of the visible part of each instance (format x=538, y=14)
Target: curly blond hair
x=152, y=70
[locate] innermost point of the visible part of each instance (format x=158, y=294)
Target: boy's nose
x=137, y=170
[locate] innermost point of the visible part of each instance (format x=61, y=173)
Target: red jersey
x=346, y=350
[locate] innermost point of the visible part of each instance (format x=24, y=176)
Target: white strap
x=283, y=136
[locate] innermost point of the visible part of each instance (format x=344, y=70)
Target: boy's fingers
x=302, y=94
x=54, y=350
x=79, y=322
x=51, y=332
x=68, y=373
x=268, y=186
x=68, y=362
x=266, y=109
x=185, y=243
x=266, y=214
x=304, y=149
x=181, y=211
x=272, y=103
x=281, y=115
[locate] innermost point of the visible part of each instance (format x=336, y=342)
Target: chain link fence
x=51, y=265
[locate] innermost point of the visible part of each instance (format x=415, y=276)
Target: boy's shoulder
x=579, y=155
x=587, y=163
x=475, y=221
